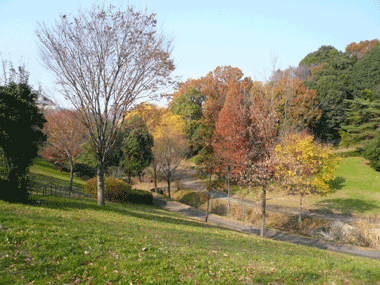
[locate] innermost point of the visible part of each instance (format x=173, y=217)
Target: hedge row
x=119, y=191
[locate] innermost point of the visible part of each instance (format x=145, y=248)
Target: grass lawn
x=45, y=172
x=74, y=241
x=357, y=191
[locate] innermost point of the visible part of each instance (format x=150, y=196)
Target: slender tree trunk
x=71, y=174
x=242, y=205
x=263, y=208
x=208, y=202
x=169, y=186
x=155, y=177
x=129, y=177
x=228, y=193
x=100, y=170
x=300, y=213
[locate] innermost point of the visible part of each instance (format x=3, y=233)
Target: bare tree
x=65, y=134
x=169, y=151
x=104, y=60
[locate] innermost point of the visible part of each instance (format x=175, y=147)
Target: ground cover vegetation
x=137, y=244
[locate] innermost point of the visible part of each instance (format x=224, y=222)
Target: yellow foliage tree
x=169, y=137
x=157, y=119
x=305, y=165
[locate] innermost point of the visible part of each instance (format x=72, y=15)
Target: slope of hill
x=74, y=241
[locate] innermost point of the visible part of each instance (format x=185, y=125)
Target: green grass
x=195, y=159
x=45, y=172
x=357, y=191
x=47, y=244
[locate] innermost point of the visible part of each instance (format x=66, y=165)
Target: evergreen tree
x=331, y=80
x=363, y=119
x=21, y=135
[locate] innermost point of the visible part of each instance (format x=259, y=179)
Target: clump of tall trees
x=21, y=135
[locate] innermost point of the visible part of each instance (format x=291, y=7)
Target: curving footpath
x=191, y=212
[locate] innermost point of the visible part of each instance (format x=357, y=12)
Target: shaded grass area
x=45, y=172
x=188, y=197
x=75, y=241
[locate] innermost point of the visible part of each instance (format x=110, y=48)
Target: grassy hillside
x=45, y=172
x=77, y=242
x=357, y=191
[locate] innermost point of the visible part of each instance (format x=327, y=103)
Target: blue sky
x=208, y=34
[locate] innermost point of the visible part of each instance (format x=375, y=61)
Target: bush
x=14, y=191
x=140, y=197
x=115, y=190
x=84, y=170
x=372, y=151
x=196, y=159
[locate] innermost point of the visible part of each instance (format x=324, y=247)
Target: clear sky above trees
x=212, y=33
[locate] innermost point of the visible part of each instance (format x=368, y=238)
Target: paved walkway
x=270, y=234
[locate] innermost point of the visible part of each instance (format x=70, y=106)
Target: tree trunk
x=100, y=172
x=155, y=177
x=263, y=206
x=71, y=174
x=169, y=187
x=228, y=194
x=300, y=213
x=208, y=202
x=129, y=177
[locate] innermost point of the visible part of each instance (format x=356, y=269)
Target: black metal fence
x=56, y=190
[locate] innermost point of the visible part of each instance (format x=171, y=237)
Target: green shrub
x=372, y=151
x=196, y=159
x=140, y=197
x=84, y=170
x=115, y=189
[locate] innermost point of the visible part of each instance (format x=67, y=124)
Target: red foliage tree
x=65, y=133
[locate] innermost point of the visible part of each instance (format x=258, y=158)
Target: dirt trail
x=189, y=181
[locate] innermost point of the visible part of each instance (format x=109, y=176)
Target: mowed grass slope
x=45, y=172
x=74, y=241
x=357, y=191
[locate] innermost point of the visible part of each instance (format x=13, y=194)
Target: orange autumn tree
x=361, y=48
x=66, y=133
x=245, y=134
x=298, y=106
x=231, y=138
x=214, y=87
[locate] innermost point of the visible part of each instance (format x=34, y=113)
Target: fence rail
x=57, y=190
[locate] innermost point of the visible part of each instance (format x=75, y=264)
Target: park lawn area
x=75, y=241
x=44, y=172
x=357, y=191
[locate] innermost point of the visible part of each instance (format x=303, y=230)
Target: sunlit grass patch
x=76, y=241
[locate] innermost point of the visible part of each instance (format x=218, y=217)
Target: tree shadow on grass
x=147, y=212
x=347, y=206
x=337, y=183
x=290, y=276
